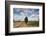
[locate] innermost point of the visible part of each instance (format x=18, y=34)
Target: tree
x=26, y=19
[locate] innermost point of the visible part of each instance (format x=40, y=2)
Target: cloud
x=21, y=13
x=33, y=17
x=19, y=17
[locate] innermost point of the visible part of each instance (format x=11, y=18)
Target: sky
x=20, y=13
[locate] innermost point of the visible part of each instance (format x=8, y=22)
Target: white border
x=25, y=28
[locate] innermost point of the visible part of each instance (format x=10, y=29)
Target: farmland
x=18, y=24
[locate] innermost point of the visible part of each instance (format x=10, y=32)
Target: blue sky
x=21, y=13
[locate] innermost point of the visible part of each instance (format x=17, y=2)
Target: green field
x=33, y=23
x=23, y=24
